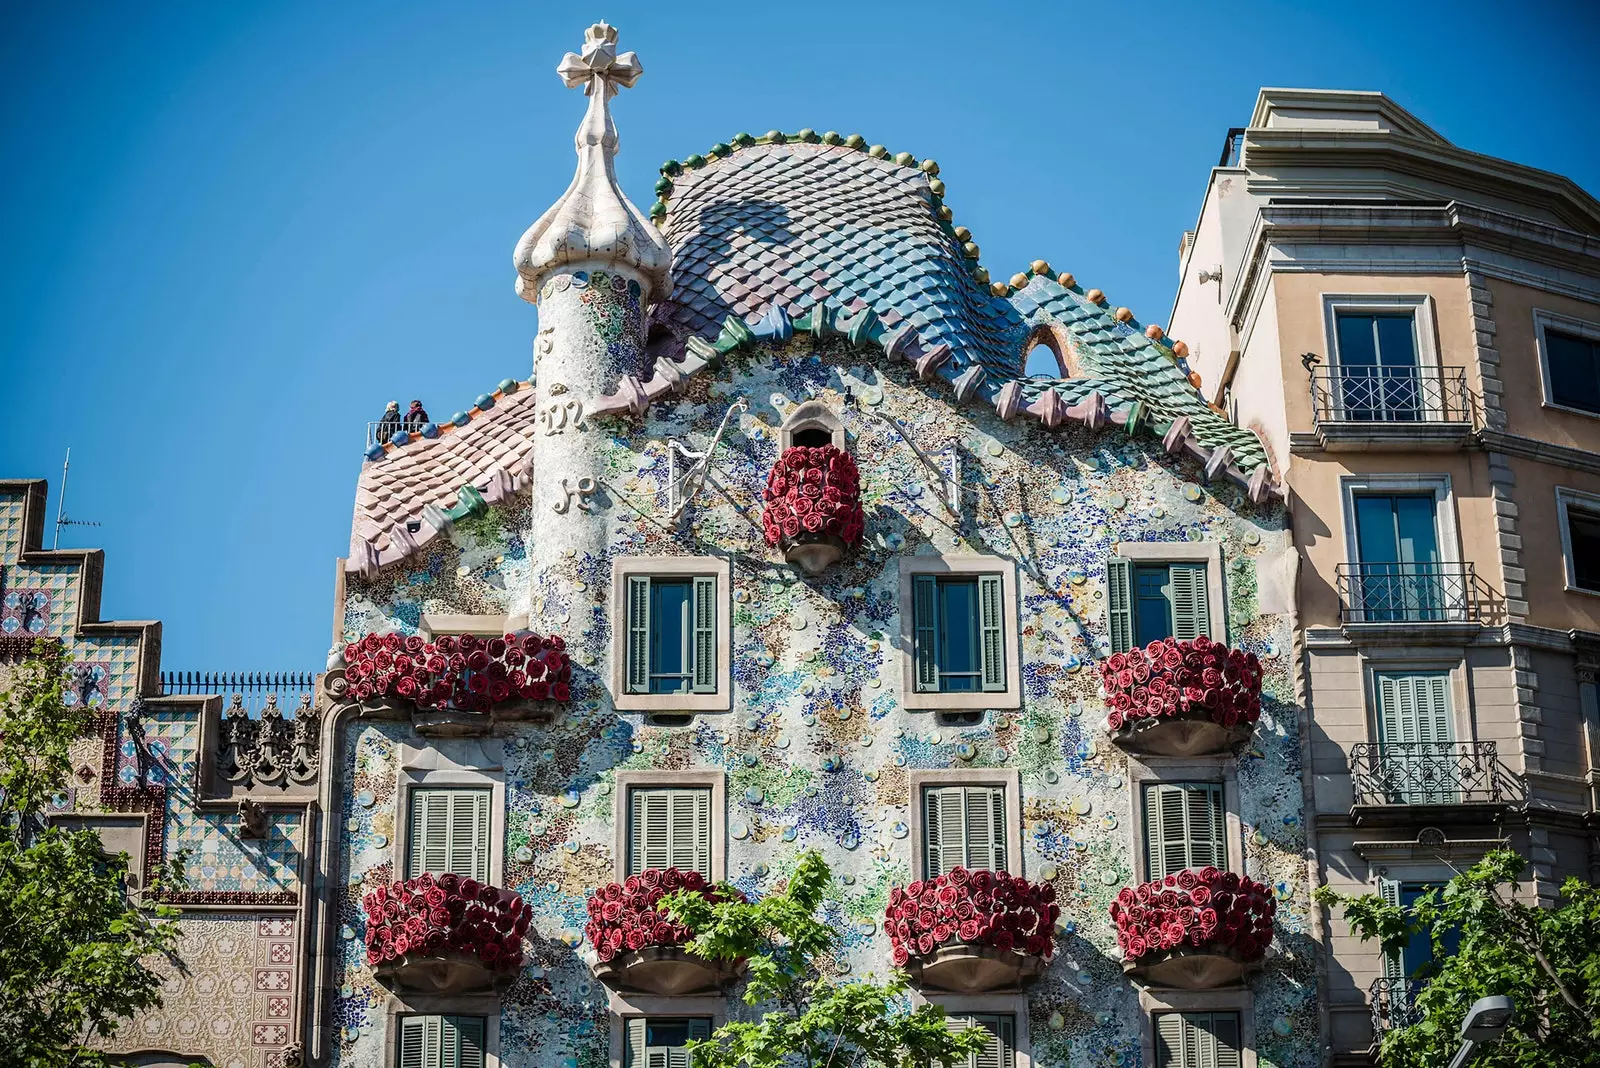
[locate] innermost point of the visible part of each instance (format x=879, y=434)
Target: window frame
x=1544, y=320
x=1402, y=661
x=1148, y=786
x=452, y=763
x=485, y=1005
x=1380, y=485
x=1007, y=779
x=1568, y=498
x=624, y=1007
x=1144, y=553
x=1420, y=305
x=399, y=1032
x=1013, y=1005
x=1153, y=770
x=1154, y=1002
x=960, y=567
x=671, y=567
x=628, y=781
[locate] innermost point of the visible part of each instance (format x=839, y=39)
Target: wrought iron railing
x=1406, y=593
x=268, y=733
x=1394, y=1003
x=1390, y=395
x=1430, y=773
x=250, y=690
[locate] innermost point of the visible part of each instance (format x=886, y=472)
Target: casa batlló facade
x=776, y=549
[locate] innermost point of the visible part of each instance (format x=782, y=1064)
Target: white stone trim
x=624, y=1007
x=713, y=779
x=469, y=763
x=1566, y=498
x=1155, y=1001
x=1008, y=779
x=811, y=415
x=1186, y=552
x=1444, y=512
x=1420, y=305
x=910, y=696
x=671, y=566
x=1566, y=324
x=492, y=626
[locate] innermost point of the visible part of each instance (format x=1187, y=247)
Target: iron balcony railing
x=379, y=431
x=1430, y=773
x=1390, y=395
x=1406, y=593
x=249, y=690
x=1394, y=1003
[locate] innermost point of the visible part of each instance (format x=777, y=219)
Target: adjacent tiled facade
x=1478, y=256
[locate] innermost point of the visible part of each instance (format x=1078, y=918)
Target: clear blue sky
x=232, y=231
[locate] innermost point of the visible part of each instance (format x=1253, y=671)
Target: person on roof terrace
x=389, y=425
x=416, y=416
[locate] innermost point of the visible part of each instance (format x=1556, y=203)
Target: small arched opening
x=812, y=424
x=1048, y=353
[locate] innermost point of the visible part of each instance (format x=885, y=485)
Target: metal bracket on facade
x=681, y=488
x=949, y=480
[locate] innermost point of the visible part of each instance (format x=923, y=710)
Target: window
x=1573, y=363
x=1415, y=733
x=1417, y=952
x=670, y=641
x=1151, y=601
x=441, y=1041
x=449, y=832
x=1397, y=547
x=959, y=637
x=1580, y=538
x=965, y=827
x=1197, y=1040
x=1184, y=827
x=1001, y=1052
x=662, y=1041
x=669, y=827
x=1377, y=375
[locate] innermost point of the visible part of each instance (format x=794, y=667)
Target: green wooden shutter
x=1002, y=1047
x=638, y=651
x=1225, y=1028
x=449, y=832
x=1169, y=1041
x=1184, y=827
x=669, y=828
x=462, y=1042
x=1197, y=1040
x=651, y=830
x=1191, y=603
x=699, y=1031
x=429, y=832
x=925, y=633
x=1415, y=708
x=705, y=634
x=1394, y=966
x=964, y=826
x=414, y=1041
x=469, y=833
x=986, y=827
x=691, y=831
x=1119, y=604
x=633, y=1048
x=991, y=631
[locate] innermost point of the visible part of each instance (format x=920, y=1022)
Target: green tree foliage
x=74, y=949
x=1546, y=959
x=810, y=1017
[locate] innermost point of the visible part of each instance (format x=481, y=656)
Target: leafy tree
x=1546, y=959
x=812, y=1018
x=74, y=949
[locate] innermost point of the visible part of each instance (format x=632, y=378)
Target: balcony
x=636, y=948
x=972, y=932
x=1404, y=783
x=1358, y=409
x=1394, y=1004
x=1397, y=598
x=444, y=935
x=1195, y=930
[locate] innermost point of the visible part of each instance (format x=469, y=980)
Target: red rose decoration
x=1195, y=909
x=463, y=671
x=1181, y=678
x=812, y=490
x=627, y=915
x=974, y=907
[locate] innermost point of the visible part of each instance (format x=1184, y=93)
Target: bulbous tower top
x=593, y=222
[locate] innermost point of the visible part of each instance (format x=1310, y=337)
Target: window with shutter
x=958, y=633
x=442, y=1041
x=448, y=831
x=661, y=1042
x=669, y=827
x=1191, y=603
x=638, y=652
x=1197, y=1040
x=1001, y=1051
x=671, y=633
x=1414, y=736
x=1185, y=827
x=1151, y=602
x=1119, y=604
x=925, y=597
x=964, y=826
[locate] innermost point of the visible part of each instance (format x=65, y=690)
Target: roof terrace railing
x=286, y=689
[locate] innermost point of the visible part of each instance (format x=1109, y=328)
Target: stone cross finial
x=599, y=63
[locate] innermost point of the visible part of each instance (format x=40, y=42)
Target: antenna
x=61, y=506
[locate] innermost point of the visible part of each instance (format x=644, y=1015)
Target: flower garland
x=623, y=916
x=813, y=490
x=1195, y=909
x=434, y=914
x=1171, y=677
x=463, y=671
x=976, y=907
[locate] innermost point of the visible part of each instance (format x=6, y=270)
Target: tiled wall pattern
x=817, y=747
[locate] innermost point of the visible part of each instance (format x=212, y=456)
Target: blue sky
x=233, y=231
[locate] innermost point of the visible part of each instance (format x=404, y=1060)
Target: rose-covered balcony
x=1195, y=930
x=458, y=684
x=813, y=506
x=444, y=934
x=1182, y=698
x=972, y=931
x=638, y=949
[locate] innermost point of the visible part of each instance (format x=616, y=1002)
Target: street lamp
x=1486, y=1021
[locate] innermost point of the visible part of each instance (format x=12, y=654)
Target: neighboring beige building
x=1414, y=331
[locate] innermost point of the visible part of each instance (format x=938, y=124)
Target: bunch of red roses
x=989, y=908
x=813, y=490
x=465, y=671
x=1192, y=909
x=623, y=916
x=1191, y=678
x=432, y=915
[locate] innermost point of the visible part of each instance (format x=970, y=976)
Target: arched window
x=1048, y=352
x=811, y=424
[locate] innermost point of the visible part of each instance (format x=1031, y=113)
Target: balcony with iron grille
x=1429, y=783
x=1394, y=1004
x=1405, y=600
x=1359, y=409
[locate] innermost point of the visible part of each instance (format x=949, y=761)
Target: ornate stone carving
x=272, y=750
